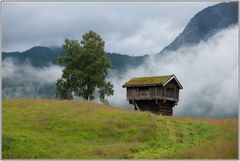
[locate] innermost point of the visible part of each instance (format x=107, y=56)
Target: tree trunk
x=88, y=98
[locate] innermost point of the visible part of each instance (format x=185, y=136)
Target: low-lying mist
x=207, y=72
x=22, y=80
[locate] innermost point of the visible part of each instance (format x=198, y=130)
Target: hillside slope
x=55, y=129
x=205, y=24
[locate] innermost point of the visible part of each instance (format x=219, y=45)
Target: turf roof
x=146, y=81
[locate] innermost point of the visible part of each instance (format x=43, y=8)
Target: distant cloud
x=207, y=71
x=25, y=72
x=129, y=28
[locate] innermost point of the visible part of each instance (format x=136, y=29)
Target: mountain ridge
x=205, y=24
x=44, y=56
x=201, y=26
x=40, y=56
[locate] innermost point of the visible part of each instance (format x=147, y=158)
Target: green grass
x=54, y=129
x=147, y=80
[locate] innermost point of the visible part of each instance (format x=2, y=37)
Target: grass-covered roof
x=146, y=81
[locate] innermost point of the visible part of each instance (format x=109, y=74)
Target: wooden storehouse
x=157, y=94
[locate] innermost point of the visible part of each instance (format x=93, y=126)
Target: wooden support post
x=155, y=92
x=136, y=106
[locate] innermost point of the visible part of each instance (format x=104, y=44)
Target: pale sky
x=127, y=28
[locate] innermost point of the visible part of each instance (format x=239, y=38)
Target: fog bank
x=22, y=80
x=207, y=72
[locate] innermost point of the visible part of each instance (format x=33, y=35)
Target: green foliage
x=105, y=89
x=63, y=129
x=62, y=90
x=86, y=69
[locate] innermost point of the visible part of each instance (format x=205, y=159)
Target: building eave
x=173, y=77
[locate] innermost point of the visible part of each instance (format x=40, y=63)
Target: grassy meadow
x=57, y=129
